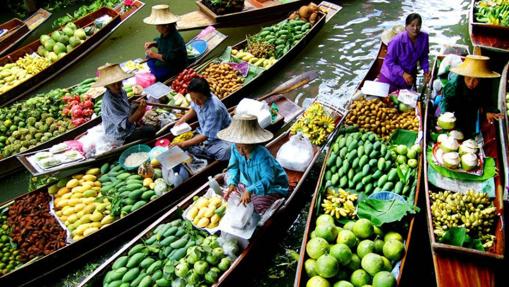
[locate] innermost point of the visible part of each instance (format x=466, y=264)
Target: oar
x=165, y=106
x=283, y=88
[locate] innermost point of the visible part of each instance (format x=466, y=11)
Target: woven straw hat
x=161, y=15
x=475, y=66
x=245, y=129
x=388, y=34
x=109, y=74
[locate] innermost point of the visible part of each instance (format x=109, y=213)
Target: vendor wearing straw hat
x=171, y=56
x=252, y=170
x=463, y=93
x=212, y=117
x=118, y=119
x=404, y=51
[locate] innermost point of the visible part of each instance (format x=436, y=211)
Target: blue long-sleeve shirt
x=212, y=117
x=115, y=112
x=261, y=173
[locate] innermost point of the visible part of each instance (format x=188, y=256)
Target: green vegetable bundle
x=84, y=10
x=494, y=12
x=283, y=35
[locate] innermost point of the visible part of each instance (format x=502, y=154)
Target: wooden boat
x=244, y=91
x=280, y=215
x=41, y=268
x=229, y=101
x=301, y=276
x=18, y=30
x=124, y=15
x=503, y=126
x=487, y=35
x=11, y=164
x=22, y=89
x=254, y=11
x=460, y=266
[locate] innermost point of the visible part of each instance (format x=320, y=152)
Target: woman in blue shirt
x=252, y=170
x=171, y=56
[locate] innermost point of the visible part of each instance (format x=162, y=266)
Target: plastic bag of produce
x=237, y=214
x=296, y=154
x=145, y=79
x=254, y=107
x=450, y=61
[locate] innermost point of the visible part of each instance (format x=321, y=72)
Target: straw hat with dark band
x=109, y=74
x=161, y=15
x=388, y=34
x=475, y=66
x=245, y=129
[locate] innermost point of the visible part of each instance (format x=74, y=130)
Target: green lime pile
x=9, y=258
x=357, y=254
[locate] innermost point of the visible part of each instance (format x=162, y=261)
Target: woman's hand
x=427, y=77
x=245, y=198
x=151, y=54
x=180, y=121
x=142, y=105
x=409, y=80
x=493, y=116
x=148, y=45
x=229, y=191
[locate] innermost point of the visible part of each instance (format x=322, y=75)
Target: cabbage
x=446, y=121
x=468, y=161
x=451, y=160
x=449, y=144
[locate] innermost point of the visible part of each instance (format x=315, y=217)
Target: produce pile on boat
x=179, y=100
x=380, y=117
x=26, y=124
x=33, y=228
x=9, y=253
x=53, y=47
x=495, y=12
x=339, y=203
x=221, y=7
x=207, y=212
x=173, y=254
x=309, y=13
x=84, y=10
x=472, y=213
x=456, y=153
x=223, y=79
x=316, y=124
x=360, y=162
x=79, y=204
x=250, y=58
x=179, y=85
x=355, y=254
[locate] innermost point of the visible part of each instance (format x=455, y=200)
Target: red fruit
x=88, y=112
x=88, y=104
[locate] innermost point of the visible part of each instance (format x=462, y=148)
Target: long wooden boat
x=255, y=244
x=23, y=89
x=244, y=91
x=301, y=276
x=487, y=35
x=18, y=30
x=460, y=266
x=40, y=268
x=11, y=164
x=253, y=12
x=229, y=101
x=503, y=127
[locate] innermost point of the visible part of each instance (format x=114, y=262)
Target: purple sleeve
x=390, y=59
x=423, y=59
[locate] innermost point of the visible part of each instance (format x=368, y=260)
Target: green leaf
x=383, y=211
x=455, y=236
x=477, y=245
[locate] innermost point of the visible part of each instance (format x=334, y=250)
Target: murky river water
x=341, y=52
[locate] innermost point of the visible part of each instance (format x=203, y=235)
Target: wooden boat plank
x=39, y=17
x=458, y=266
x=12, y=164
x=503, y=127
x=493, y=37
x=249, y=15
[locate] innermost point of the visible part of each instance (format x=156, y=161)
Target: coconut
x=442, y=138
x=69, y=48
x=44, y=38
x=468, y=146
x=56, y=36
x=64, y=39
x=449, y=145
x=61, y=55
x=52, y=57
x=451, y=160
x=456, y=134
x=468, y=161
x=304, y=12
x=68, y=31
x=49, y=44
x=41, y=51
x=59, y=48
x=446, y=121
x=71, y=25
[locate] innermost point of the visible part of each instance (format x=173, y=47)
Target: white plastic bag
x=450, y=61
x=237, y=214
x=296, y=154
x=252, y=107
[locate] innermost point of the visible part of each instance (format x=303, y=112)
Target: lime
x=387, y=264
x=360, y=278
x=379, y=246
x=343, y=283
x=393, y=235
x=324, y=218
x=317, y=281
x=372, y=263
x=342, y=253
x=384, y=279
x=349, y=225
x=316, y=247
x=326, y=231
x=327, y=266
x=393, y=249
x=363, y=228
x=310, y=266
x=365, y=247
x=347, y=237
x=355, y=263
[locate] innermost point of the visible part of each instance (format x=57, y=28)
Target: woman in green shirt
x=171, y=56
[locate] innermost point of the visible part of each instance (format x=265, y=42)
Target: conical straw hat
x=161, y=15
x=388, y=34
x=245, y=129
x=475, y=66
x=109, y=74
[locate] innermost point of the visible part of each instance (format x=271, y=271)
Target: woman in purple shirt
x=404, y=52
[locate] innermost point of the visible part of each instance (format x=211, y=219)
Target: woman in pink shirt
x=403, y=53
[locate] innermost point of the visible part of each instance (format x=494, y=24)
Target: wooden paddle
x=165, y=106
x=283, y=88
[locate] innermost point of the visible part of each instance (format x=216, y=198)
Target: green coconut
x=59, y=48
x=80, y=34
